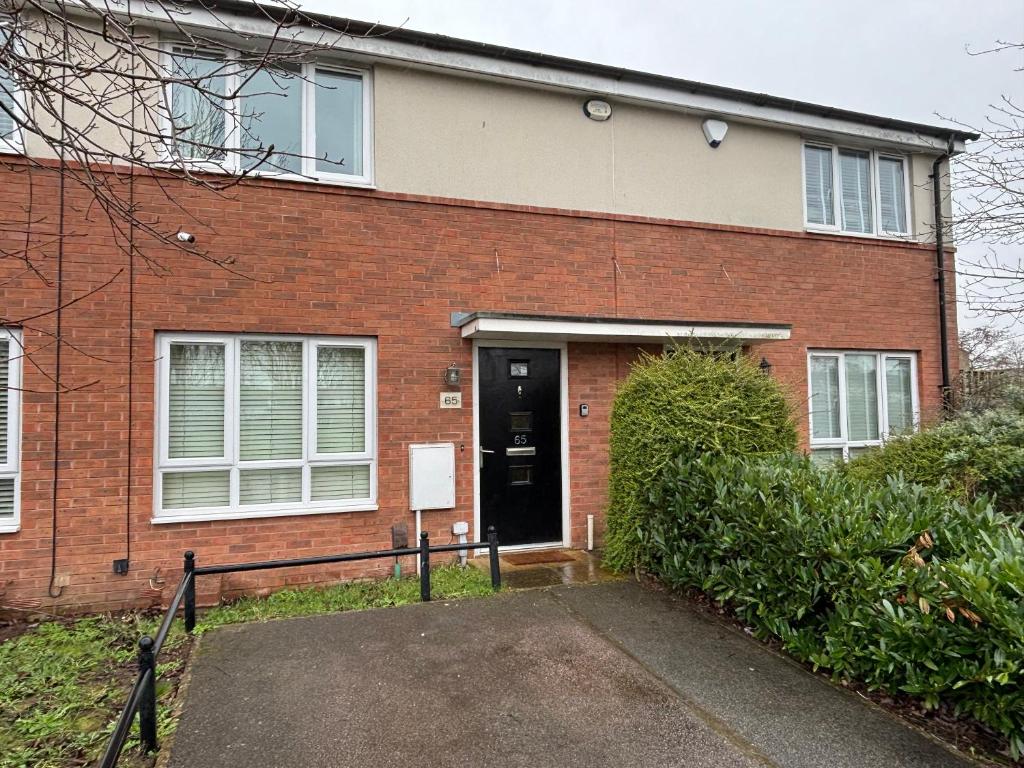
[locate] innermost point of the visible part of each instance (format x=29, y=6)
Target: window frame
x=843, y=442
x=11, y=469
x=874, y=155
x=231, y=462
x=307, y=90
x=17, y=145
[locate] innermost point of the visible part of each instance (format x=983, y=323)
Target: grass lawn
x=63, y=683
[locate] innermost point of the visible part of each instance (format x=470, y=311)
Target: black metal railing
x=142, y=699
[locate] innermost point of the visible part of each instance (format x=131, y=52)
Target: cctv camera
x=186, y=237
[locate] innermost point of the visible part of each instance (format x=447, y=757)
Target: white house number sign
x=451, y=399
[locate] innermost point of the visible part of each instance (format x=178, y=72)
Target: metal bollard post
x=147, y=699
x=190, y=591
x=492, y=548
x=424, y=567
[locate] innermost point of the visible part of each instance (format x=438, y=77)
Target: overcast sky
x=900, y=58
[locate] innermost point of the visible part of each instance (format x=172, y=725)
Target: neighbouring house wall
x=333, y=261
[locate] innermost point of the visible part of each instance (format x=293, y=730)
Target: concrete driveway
x=603, y=675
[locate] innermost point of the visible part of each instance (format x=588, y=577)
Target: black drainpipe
x=940, y=264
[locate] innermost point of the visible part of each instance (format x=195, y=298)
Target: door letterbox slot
x=529, y=451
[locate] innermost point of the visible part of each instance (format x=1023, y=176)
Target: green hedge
x=897, y=585
x=971, y=455
x=688, y=402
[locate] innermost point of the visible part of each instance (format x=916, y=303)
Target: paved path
x=603, y=675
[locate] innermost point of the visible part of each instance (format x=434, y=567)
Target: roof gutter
x=946, y=387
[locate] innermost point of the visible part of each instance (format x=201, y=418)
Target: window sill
x=201, y=516
x=7, y=148
x=9, y=528
x=332, y=180
x=810, y=229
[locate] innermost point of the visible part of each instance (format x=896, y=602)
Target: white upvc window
x=856, y=191
x=261, y=426
x=11, y=104
x=11, y=355
x=318, y=117
x=858, y=399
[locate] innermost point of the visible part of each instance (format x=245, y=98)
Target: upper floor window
x=10, y=104
x=316, y=117
x=856, y=191
x=253, y=426
x=10, y=429
x=859, y=398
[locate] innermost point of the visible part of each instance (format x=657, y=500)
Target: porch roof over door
x=512, y=326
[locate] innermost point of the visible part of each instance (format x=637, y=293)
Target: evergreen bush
x=685, y=403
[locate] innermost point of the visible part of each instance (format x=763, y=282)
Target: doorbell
x=584, y=409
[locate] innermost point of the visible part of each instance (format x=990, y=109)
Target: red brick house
x=527, y=221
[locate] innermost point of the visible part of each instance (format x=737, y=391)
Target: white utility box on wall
x=431, y=476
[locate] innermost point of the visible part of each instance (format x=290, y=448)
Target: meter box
x=431, y=476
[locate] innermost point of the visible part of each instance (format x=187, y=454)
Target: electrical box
x=432, y=476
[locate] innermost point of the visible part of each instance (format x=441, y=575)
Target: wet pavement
x=583, y=568
x=609, y=674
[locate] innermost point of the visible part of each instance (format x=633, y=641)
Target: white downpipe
x=590, y=533
x=416, y=541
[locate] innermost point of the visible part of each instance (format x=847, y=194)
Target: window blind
x=855, y=186
x=345, y=482
x=199, y=117
x=6, y=497
x=196, y=401
x=266, y=486
x=270, y=400
x=862, y=397
x=5, y=395
x=899, y=395
x=189, y=490
x=340, y=400
x=825, y=397
x=818, y=185
x=826, y=456
x=271, y=114
x=891, y=197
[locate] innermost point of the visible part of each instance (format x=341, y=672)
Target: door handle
x=482, y=452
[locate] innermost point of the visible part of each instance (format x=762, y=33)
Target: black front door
x=520, y=444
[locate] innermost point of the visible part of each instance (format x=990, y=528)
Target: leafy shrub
x=687, y=403
x=971, y=455
x=894, y=584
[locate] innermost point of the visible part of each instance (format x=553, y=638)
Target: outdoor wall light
x=452, y=375
x=765, y=366
x=714, y=132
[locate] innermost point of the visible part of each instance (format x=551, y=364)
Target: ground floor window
x=253, y=426
x=859, y=398
x=10, y=428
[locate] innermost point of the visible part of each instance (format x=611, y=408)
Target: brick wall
x=326, y=260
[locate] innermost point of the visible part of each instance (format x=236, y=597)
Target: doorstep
x=549, y=567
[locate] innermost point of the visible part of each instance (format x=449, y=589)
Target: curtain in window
x=271, y=114
x=196, y=401
x=818, y=185
x=199, y=116
x=189, y=490
x=346, y=482
x=5, y=393
x=270, y=400
x=899, y=395
x=339, y=123
x=862, y=397
x=855, y=185
x=6, y=98
x=892, y=201
x=825, y=397
x=340, y=400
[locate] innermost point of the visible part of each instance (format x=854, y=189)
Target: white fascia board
x=384, y=48
x=638, y=333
